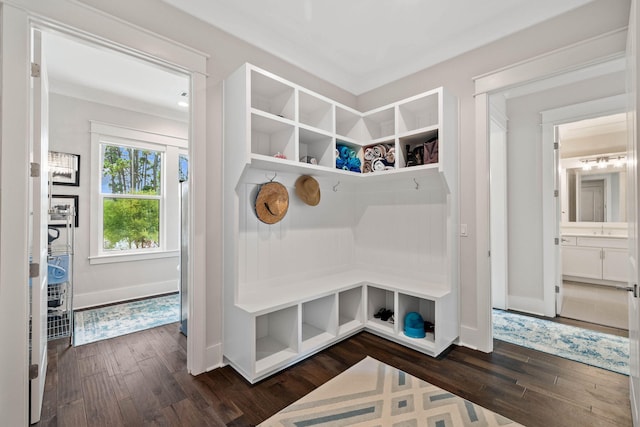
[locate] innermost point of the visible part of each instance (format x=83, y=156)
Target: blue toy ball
x=414, y=325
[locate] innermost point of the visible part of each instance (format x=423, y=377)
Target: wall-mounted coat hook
x=274, y=176
x=335, y=187
x=417, y=185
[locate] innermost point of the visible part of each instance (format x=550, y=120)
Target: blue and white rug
x=606, y=351
x=371, y=393
x=121, y=319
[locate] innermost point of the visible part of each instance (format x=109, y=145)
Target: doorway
x=592, y=170
x=127, y=121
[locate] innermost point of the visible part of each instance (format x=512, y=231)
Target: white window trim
x=113, y=134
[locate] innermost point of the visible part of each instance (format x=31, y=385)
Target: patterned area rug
x=606, y=351
x=371, y=393
x=121, y=319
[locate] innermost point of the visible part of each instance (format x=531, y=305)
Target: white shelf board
x=287, y=165
x=349, y=326
x=314, y=337
x=380, y=325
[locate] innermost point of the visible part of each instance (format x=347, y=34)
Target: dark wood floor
x=140, y=379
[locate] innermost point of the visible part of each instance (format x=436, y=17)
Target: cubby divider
x=350, y=310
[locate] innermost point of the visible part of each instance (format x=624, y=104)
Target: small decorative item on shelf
x=431, y=151
x=347, y=159
x=414, y=325
x=279, y=155
x=272, y=202
x=379, y=157
x=309, y=159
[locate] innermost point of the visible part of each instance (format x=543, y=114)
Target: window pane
x=127, y=170
x=130, y=224
x=183, y=168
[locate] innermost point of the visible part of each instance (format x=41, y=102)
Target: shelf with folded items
x=379, y=157
x=419, y=148
x=348, y=156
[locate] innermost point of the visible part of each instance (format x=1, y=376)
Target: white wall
x=105, y=283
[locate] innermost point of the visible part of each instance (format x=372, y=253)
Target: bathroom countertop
x=608, y=236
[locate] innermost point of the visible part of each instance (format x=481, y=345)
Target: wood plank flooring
x=141, y=379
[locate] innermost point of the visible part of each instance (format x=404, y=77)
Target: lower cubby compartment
x=276, y=337
x=426, y=308
x=349, y=310
x=318, y=322
x=380, y=299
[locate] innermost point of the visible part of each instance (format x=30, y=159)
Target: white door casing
x=633, y=188
x=82, y=21
x=39, y=240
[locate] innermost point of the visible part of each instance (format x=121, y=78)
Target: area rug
x=372, y=393
x=121, y=319
x=605, y=351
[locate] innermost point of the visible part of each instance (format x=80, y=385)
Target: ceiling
x=360, y=45
x=94, y=73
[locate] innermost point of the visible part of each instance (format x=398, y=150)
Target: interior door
x=592, y=201
x=632, y=209
x=39, y=231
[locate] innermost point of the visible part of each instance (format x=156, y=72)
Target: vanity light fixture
x=619, y=162
x=603, y=162
x=586, y=166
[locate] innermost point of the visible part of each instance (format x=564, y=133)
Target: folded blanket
x=347, y=159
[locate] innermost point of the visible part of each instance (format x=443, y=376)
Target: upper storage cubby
x=274, y=124
x=315, y=112
x=419, y=112
x=272, y=96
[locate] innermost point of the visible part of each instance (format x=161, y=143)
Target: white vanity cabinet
x=595, y=258
x=384, y=239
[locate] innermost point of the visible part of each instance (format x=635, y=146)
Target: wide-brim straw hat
x=308, y=190
x=272, y=202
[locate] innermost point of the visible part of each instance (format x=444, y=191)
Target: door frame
x=552, y=261
x=18, y=17
x=587, y=53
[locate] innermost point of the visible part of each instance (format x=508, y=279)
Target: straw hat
x=272, y=202
x=308, y=189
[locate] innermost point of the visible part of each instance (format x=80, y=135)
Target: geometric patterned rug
x=120, y=319
x=371, y=393
x=593, y=348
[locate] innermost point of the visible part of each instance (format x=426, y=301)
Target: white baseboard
x=472, y=338
x=110, y=296
x=213, y=358
x=527, y=305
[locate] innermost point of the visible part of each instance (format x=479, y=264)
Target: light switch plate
x=463, y=230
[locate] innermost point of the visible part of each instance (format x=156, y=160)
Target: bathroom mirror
x=596, y=195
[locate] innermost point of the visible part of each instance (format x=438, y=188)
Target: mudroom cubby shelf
x=383, y=238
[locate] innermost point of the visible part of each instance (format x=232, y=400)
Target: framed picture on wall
x=63, y=205
x=64, y=168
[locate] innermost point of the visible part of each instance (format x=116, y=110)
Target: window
x=135, y=210
x=131, y=195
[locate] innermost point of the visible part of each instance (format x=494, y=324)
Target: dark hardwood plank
x=100, y=402
x=143, y=380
